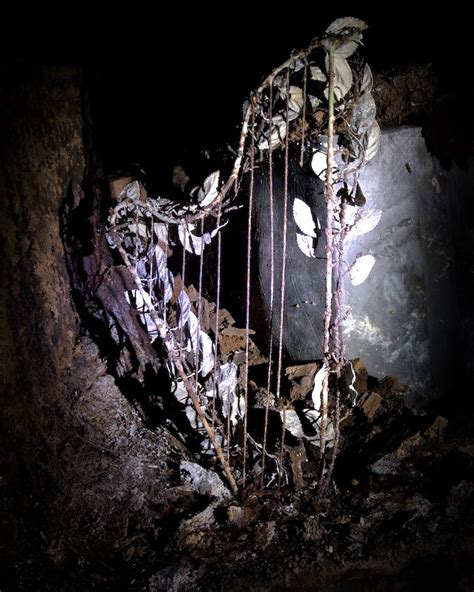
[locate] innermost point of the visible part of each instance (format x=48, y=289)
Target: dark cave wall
x=80, y=476
x=42, y=157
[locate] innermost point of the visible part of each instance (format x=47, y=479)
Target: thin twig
x=283, y=274
x=247, y=307
x=337, y=433
x=303, y=115
x=183, y=280
x=199, y=305
x=329, y=253
x=272, y=284
x=218, y=304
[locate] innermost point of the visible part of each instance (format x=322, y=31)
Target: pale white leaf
x=203, y=481
x=279, y=81
x=216, y=230
x=184, y=305
x=314, y=101
x=194, y=421
x=227, y=389
x=345, y=48
x=130, y=191
x=318, y=386
x=367, y=80
x=207, y=353
x=319, y=166
x=277, y=135
x=342, y=77
x=346, y=35
x=205, y=347
x=352, y=215
x=192, y=243
x=317, y=74
x=193, y=331
x=361, y=268
x=239, y=408
x=180, y=392
x=295, y=101
x=163, y=273
x=161, y=232
x=298, y=65
x=363, y=114
x=161, y=264
x=232, y=404
x=135, y=299
x=353, y=377
x=208, y=192
x=142, y=269
x=159, y=203
x=303, y=217
x=292, y=423
x=314, y=418
x=364, y=223
x=139, y=228
x=372, y=142
x=346, y=25
x=306, y=244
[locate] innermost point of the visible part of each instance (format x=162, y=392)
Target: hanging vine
x=321, y=98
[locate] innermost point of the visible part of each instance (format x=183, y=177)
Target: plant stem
x=329, y=252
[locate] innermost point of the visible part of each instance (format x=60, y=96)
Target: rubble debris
x=436, y=430
x=301, y=378
x=389, y=386
x=301, y=371
x=370, y=404
x=202, y=481
x=297, y=459
x=117, y=186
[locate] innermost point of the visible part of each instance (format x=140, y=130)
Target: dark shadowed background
x=170, y=80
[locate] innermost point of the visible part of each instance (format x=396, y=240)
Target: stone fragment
x=202, y=481
x=371, y=405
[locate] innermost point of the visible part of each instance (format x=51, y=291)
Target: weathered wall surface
x=69, y=440
x=41, y=155
x=412, y=316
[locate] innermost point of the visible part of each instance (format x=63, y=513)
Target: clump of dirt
x=404, y=97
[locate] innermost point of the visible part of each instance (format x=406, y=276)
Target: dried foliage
x=320, y=97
